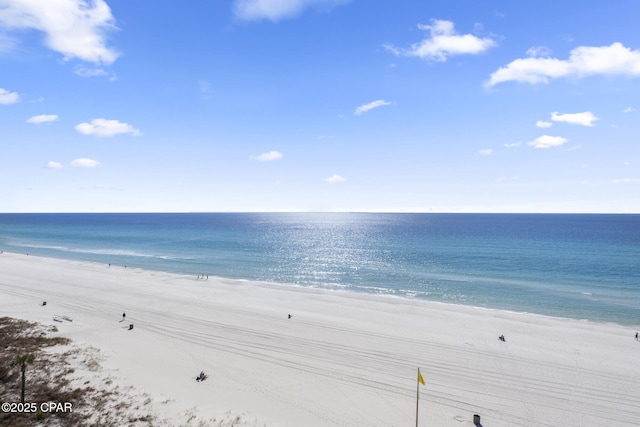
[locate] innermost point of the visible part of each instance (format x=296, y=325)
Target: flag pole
x=417, y=395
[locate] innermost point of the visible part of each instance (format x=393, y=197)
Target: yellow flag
x=420, y=379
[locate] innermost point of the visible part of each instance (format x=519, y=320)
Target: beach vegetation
x=58, y=373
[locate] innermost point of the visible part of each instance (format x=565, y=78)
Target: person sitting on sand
x=501, y=338
x=201, y=377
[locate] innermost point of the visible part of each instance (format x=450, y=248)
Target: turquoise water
x=577, y=266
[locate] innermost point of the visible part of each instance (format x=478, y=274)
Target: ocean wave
x=95, y=251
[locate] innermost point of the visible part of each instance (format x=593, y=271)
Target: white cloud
x=54, y=165
x=274, y=10
x=94, y=72
x=85, y=163
x=485, y=152
x=74, y=28
x=444, y=42
x=546, y=141
x=583, y=61
x=542, y=124
x=334, y=179
x=629, y=110
x=513, y=145
x=584, y=119
x=538, y=51
x=43, y=118
x=370, y=106
x=7, y=97
x=104, y=127
x=269, y=156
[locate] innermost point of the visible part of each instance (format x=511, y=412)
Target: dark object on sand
x=201, y=377
x=44, y=303
x=476, y=419
x=130, y=326
x=289, y=317
x=501, y=338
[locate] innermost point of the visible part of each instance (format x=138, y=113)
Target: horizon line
x=333, y=212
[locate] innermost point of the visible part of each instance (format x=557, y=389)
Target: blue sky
x=319, y=105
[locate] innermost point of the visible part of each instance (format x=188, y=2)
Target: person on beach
x=636, y=336
x=123, y=317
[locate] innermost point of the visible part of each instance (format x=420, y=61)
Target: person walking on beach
x=636, y=336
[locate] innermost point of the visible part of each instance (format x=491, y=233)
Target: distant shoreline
x=314, y=290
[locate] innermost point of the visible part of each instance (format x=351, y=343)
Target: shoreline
x=344, y=358
x=357, y=292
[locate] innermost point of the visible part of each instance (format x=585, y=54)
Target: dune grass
x=52, y=378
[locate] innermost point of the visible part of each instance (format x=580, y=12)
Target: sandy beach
x=342, y=359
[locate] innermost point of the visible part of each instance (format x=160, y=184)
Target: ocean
x=581, y=266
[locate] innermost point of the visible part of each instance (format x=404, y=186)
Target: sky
x=319, y=105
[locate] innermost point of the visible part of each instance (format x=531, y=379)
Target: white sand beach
x=343, y=359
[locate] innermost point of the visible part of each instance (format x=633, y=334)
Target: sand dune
x=341, y=360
